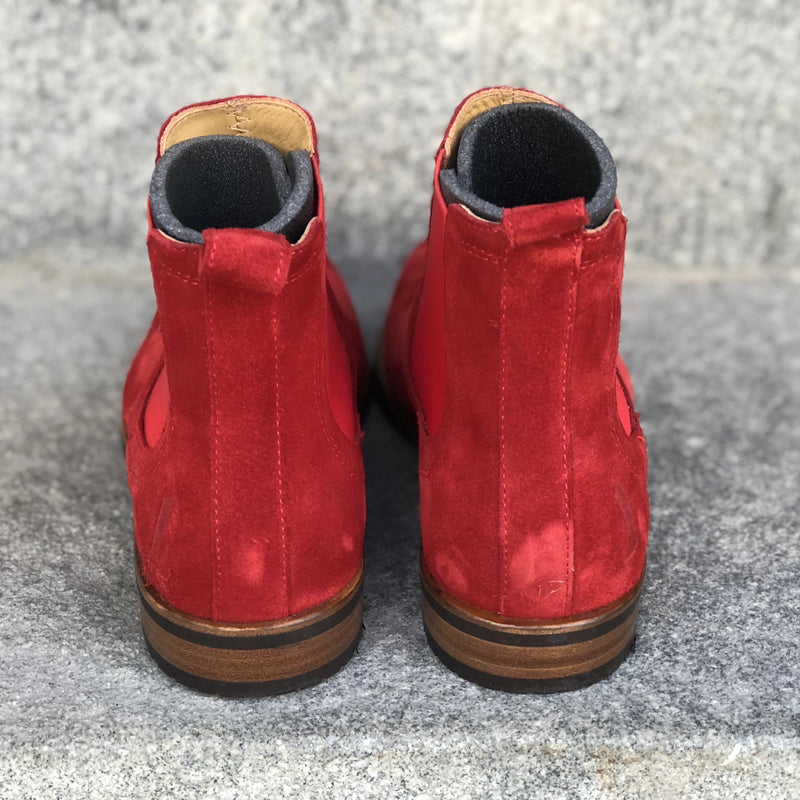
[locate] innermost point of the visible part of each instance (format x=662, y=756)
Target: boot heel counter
x=518, y=329
x=253, y=453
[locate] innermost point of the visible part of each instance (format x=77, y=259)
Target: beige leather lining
x=278, y=122
x=483, y=101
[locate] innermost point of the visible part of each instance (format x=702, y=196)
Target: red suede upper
x=503, y=337
x=249, y=505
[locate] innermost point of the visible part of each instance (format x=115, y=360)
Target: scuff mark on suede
x=162, y=523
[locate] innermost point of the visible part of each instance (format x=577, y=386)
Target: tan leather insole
x=280, y=123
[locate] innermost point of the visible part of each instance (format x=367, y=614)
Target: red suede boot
x=502, y=342
x=240, y=410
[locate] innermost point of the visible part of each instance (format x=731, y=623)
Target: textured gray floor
x=707, y=707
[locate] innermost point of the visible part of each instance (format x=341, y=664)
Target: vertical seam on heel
x=210, y=351
x=504, y=566
x=573, y=289
x=503, y=486
x=279, y=458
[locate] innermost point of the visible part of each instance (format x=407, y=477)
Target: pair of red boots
x=241, y=406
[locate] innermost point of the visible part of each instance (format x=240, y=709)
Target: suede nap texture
x=250, y=505
x=504, y=338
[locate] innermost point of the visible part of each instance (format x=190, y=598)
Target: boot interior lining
x=480, y=102
x=224, y=183
x=527, y=154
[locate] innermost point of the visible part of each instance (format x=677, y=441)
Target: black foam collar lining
x=530, y=153
x=231, y=182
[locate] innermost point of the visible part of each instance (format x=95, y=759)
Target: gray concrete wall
x=697, y=100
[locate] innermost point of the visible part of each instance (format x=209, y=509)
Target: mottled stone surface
x=698, y=102
x=707, y=707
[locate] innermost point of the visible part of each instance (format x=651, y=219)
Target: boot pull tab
x=529, y=224
x=253, y=259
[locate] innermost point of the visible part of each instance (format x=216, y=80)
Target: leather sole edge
x=533, y=656
x=246, y=660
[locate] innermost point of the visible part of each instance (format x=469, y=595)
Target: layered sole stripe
x=539, y=656
x=266, y=658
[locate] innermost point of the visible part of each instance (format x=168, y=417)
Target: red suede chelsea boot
x=501, y=342
x=240, y=410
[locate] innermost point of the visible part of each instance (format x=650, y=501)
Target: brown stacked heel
x=253, y=659
x=516, y=655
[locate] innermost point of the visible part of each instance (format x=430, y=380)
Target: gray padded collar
x=231, y=181
x=535, y=148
